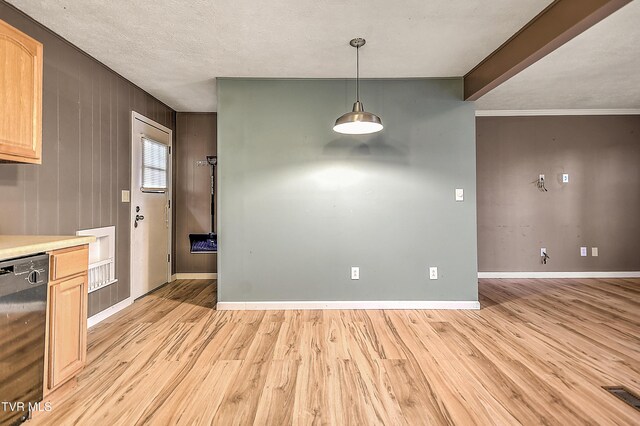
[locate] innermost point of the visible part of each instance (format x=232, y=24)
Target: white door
x=150, y=205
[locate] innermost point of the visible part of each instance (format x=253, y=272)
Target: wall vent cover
x=624, y=394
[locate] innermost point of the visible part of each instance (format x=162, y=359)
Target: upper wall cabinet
x=20, y=96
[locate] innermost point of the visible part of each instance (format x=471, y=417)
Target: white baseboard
x=365, y=304
x=195, y=276
x=533, y=112
x=103, y=315
x=631, y=274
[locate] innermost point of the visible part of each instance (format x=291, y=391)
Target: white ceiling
x=175, y=49
x=599, y=69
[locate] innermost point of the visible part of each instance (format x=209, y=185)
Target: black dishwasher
x=23, y=302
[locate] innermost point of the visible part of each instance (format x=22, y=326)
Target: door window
x=154, y=166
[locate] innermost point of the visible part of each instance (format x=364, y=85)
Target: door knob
x=138, y=217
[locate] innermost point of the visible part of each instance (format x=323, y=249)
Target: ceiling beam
x=561, y=21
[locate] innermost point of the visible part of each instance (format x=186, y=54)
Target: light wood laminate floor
x=537, y=352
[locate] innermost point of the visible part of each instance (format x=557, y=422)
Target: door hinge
x=169, y=150
x=168, y=258
x=169, y=203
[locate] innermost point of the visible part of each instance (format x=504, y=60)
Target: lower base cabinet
x=67, y=316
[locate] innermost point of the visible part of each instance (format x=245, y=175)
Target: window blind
x=154, y=166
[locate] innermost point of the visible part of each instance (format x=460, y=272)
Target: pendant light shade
x=358, y=121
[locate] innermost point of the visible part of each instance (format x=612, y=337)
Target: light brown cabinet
x=66, y=316
x=21, y=96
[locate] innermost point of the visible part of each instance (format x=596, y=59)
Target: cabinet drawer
x=68, y=262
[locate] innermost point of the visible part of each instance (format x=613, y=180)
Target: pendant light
x=358, y=121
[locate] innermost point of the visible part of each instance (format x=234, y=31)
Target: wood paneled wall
x=598, y=207
x=196, y=138
x=86, y=152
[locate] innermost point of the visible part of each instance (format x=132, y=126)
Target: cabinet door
x=67, y=329
x=21, y=95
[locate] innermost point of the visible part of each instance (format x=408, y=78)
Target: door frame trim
x=146, y=120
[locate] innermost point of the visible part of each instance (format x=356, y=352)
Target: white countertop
x=23, y=245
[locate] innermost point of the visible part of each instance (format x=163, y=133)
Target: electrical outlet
x=541, y=177
x=355, y=272
x=459, y=194
x=583, y=251
x=542, y=251
x=565, y=178
x=433, y=273
x=594, y=251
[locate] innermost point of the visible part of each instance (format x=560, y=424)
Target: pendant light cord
x=358, y=73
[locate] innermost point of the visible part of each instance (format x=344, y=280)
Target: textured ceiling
x=175, y=49
x=599, y=69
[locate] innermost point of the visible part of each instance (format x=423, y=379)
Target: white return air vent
x=102, y=253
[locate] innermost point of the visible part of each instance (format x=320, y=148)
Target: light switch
x=594, y=251
x=583, y=251
x=126, y=197
x=459, y=194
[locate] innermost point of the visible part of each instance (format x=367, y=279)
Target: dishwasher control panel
x=33, y=269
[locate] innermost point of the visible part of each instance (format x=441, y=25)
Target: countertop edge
x=41, y=247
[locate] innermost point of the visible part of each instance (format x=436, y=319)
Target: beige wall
x=600, y=206
x=86, y=152
x=196, y=138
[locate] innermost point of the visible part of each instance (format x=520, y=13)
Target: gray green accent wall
x=598, y=207
x=86, y=152
x=301, y=204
